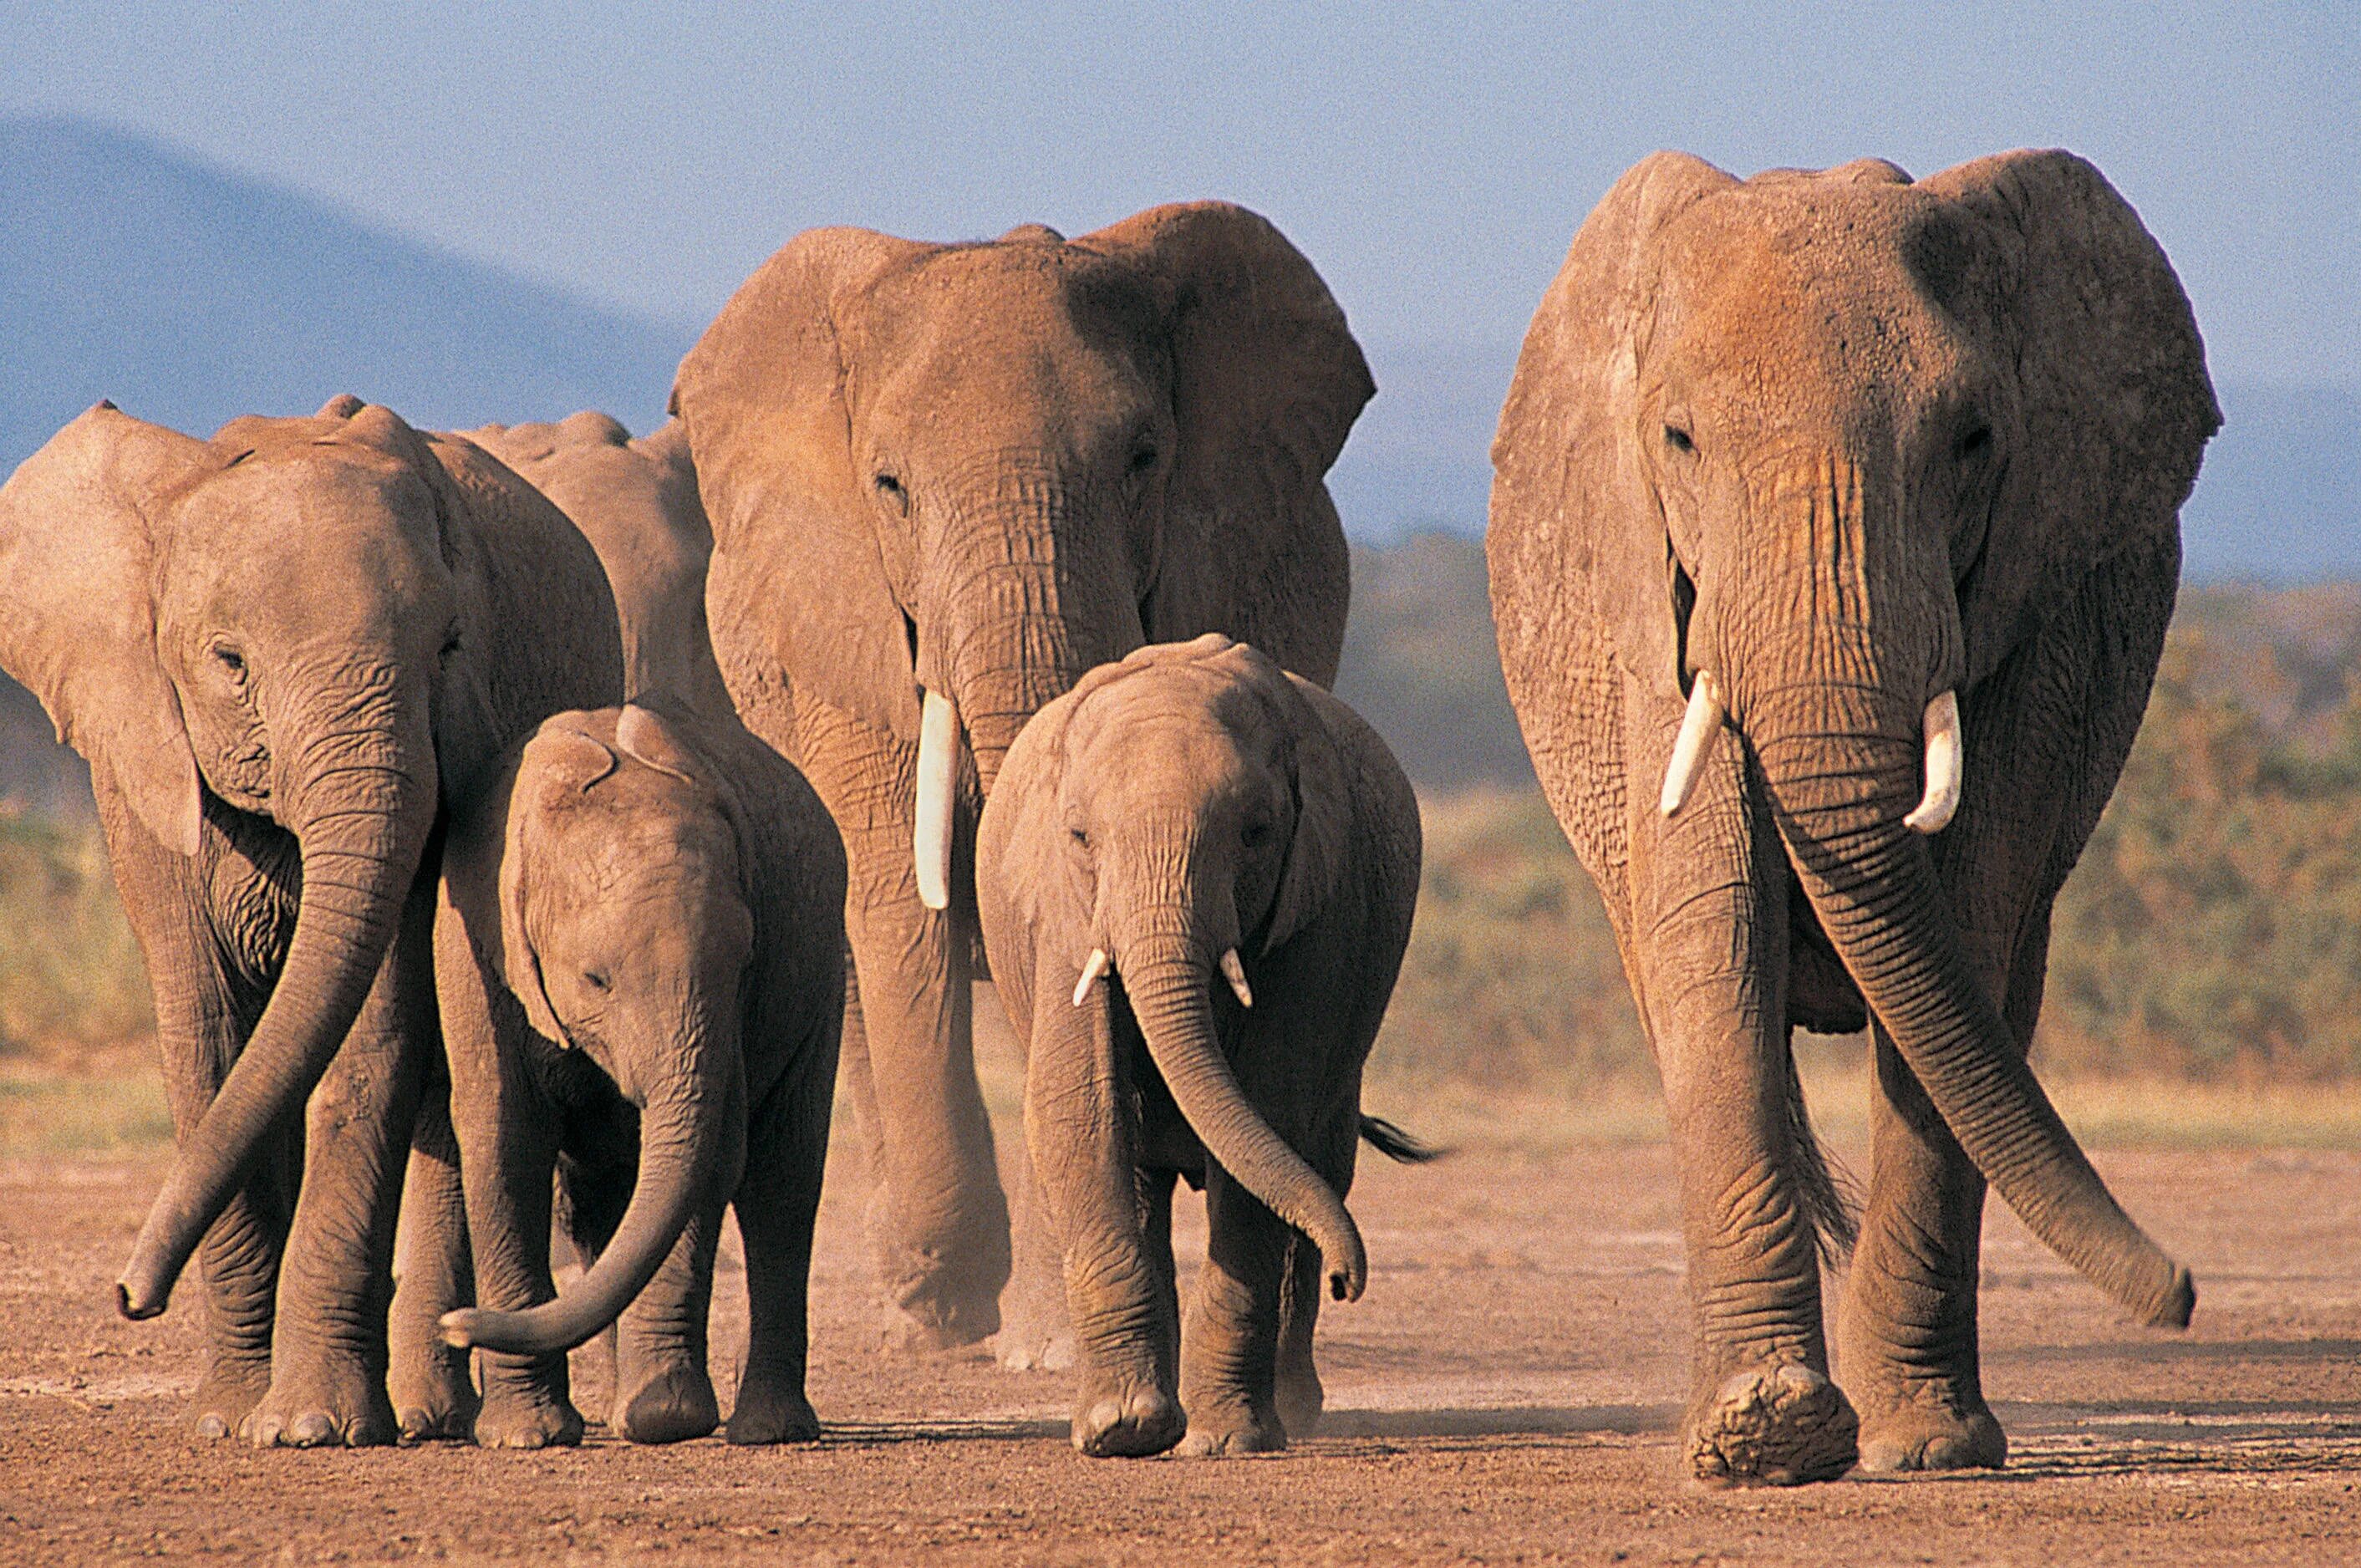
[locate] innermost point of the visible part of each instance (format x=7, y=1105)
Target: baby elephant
x=639, y=953
x=1196, y=877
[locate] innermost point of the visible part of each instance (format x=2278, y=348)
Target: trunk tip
x=457, y=1329
x=137, y=1306
x=2173, y=1309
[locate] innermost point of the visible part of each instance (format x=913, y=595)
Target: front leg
x=1113, y=1221
x=328, y=1359
x=434, y=1396
x=1708, y=954
x=778, y=1205
x=1231, y=1375
x=938, y=1222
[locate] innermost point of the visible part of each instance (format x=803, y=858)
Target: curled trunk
x=1169, y=984
x=363, y=813
x=683, y=1150
x=1839, y=800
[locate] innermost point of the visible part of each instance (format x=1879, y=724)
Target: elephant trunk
x=689, y=1145
x=1169, y=977
x=1841, y=761
x=363, y=804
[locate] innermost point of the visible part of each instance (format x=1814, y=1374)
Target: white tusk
x=939, y=757
x=1095, y=970
x=1700, y=724
x=1945, y=761
x=1235, y=972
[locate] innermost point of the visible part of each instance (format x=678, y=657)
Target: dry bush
x=71, y=976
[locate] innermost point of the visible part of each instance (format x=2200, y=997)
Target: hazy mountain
x=189, y=295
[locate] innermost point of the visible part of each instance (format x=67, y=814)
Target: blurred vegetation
x=71, y=977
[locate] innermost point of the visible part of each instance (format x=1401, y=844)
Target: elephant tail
x=1825, y=1187
x=1396, y=1145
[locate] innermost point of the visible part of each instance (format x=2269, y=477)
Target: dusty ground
x=1504, y=1393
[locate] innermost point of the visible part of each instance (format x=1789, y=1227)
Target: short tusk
x=1234, y=971
x=1095, y=970
x=939, y=754
x=1945, y=761
x=1700, y=724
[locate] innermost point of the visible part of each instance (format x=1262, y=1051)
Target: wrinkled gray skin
x=639, y=952
x=286, y=652
x=1845, y=442
x=636, y=501
x=1192, y=800
x=981, y=470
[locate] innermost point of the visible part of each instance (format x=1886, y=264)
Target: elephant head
x=1176, y=820
x=1822, y=451
x=293, y=619
x=945, y=479
x=624, y=928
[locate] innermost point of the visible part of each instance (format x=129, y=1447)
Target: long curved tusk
x=939, y=757
x=1234, y=971
x=1946, y=761
x=1700, y=724
x=1095, y=970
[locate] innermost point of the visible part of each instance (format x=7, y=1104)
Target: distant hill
x=189, y=294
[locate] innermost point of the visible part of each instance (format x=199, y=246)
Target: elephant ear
x=2114, y=406
x=796, y=550
x=1573, y=516
x=78, y=613
x=1267, y=382
x=559, y=763
x=1325, y=808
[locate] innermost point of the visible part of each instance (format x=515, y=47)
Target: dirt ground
x=1504, y=1393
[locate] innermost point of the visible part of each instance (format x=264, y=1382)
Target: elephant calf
x=639, y=952
x=1195, y=879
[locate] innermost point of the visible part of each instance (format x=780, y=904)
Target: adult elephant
x=944, y=480
x=283, y=651
x=1846, y=510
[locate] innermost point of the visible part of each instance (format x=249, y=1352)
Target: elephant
x=636, y=501
x=639, y=955
x=1196, y=881
x=1847, y=506
x=286, y=652
x=944, y=480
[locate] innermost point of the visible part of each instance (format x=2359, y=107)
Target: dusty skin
x=1506, y=1392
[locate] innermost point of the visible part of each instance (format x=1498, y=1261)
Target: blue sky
x=1434, y=160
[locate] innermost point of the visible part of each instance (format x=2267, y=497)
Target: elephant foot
x=527, y=1419
x=1129, y=1423
x=926, y=1335
x=1300, y=1400
x=1938, y=1436
x=231, y=1387
x=1227, y=1430
x=1773, y=1426
x=1035, y=1347
x=434, y=1397
x=769, y=1412
x=672, y=1404
x=325, y=1401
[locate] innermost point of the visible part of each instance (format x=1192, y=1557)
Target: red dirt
x=1505, y=1392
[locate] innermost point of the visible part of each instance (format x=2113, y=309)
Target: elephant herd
x=532, y=828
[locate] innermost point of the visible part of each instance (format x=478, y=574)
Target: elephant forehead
x=338, y=530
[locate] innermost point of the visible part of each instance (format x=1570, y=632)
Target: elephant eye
x=1143, y=460
x=1080, y=836
x=232, y=661
x=597, y=979
x=1678, y=439
x=1975, y=441
x=1257, y=834
x=891, y=488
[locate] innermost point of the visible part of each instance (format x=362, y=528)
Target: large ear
x=796, y=541
x=78, y=612
x=1575, y=518
x=1267, y=383
x=558, y=762
x=1324, y=809
x=2113, y=404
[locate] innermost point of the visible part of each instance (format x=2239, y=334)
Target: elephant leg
x=328, y=1359
x=1035, y=1333
x=1229, y=1375
x=777, y=1204
x=434, y=1396
x=1299, y=1396
x=1709, y=910
x=508, y=1150
x=938, y=1222
x=664, y=1392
